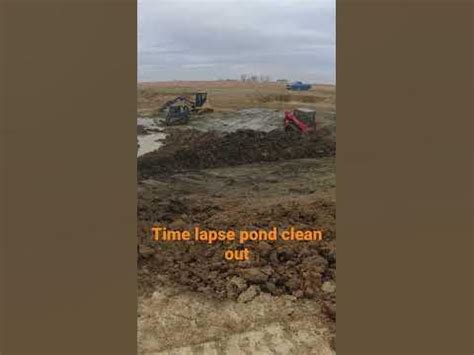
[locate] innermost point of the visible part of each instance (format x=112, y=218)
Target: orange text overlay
x=213, y=236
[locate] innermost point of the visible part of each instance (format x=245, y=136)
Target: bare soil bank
x=192, y=150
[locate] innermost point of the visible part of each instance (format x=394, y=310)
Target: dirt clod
x=255, y=275
x=329, y=287
x=146, y=251
x=249, y=294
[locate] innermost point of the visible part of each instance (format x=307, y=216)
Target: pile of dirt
x=301, y=269
x=305, y=270
x=191, y=150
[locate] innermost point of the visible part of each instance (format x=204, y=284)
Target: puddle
x=152, y=141
x=257, y=119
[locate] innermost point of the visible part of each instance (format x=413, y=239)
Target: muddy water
x=258, y=119
x=152, y=141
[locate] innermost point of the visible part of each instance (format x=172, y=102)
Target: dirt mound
x=173, y=198
x=191, y=149
x=301, y=269
x=297, y=268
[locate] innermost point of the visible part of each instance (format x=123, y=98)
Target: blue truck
x=298, y=86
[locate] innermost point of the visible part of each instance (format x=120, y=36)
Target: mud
x=191, y=150
x=257, y=119
x=234, y=178
x=149, y=135
x=141, y=130
x=293, y=268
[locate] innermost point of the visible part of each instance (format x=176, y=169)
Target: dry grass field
x=234, y=95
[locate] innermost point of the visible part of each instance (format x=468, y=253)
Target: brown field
x=233, y=95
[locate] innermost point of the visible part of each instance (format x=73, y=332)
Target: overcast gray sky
x=220, y=39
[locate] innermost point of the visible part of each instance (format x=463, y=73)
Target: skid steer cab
x=177, y=114
x=180, y=108
x=301, y=120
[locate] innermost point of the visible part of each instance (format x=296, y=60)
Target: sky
x=222, y=39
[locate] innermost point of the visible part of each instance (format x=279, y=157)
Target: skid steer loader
x=179, y=109
x=300, y=120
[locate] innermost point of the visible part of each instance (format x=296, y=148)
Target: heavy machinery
x=300, y=120
x=180, y=108
x=176, y=114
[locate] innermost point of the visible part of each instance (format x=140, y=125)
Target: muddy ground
x=151, y=129
x=236, y=170
x=191, y=323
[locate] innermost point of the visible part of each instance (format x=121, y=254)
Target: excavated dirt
x=241, y=180
x=236, y=169
x=301, y=269
x=191, y=150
